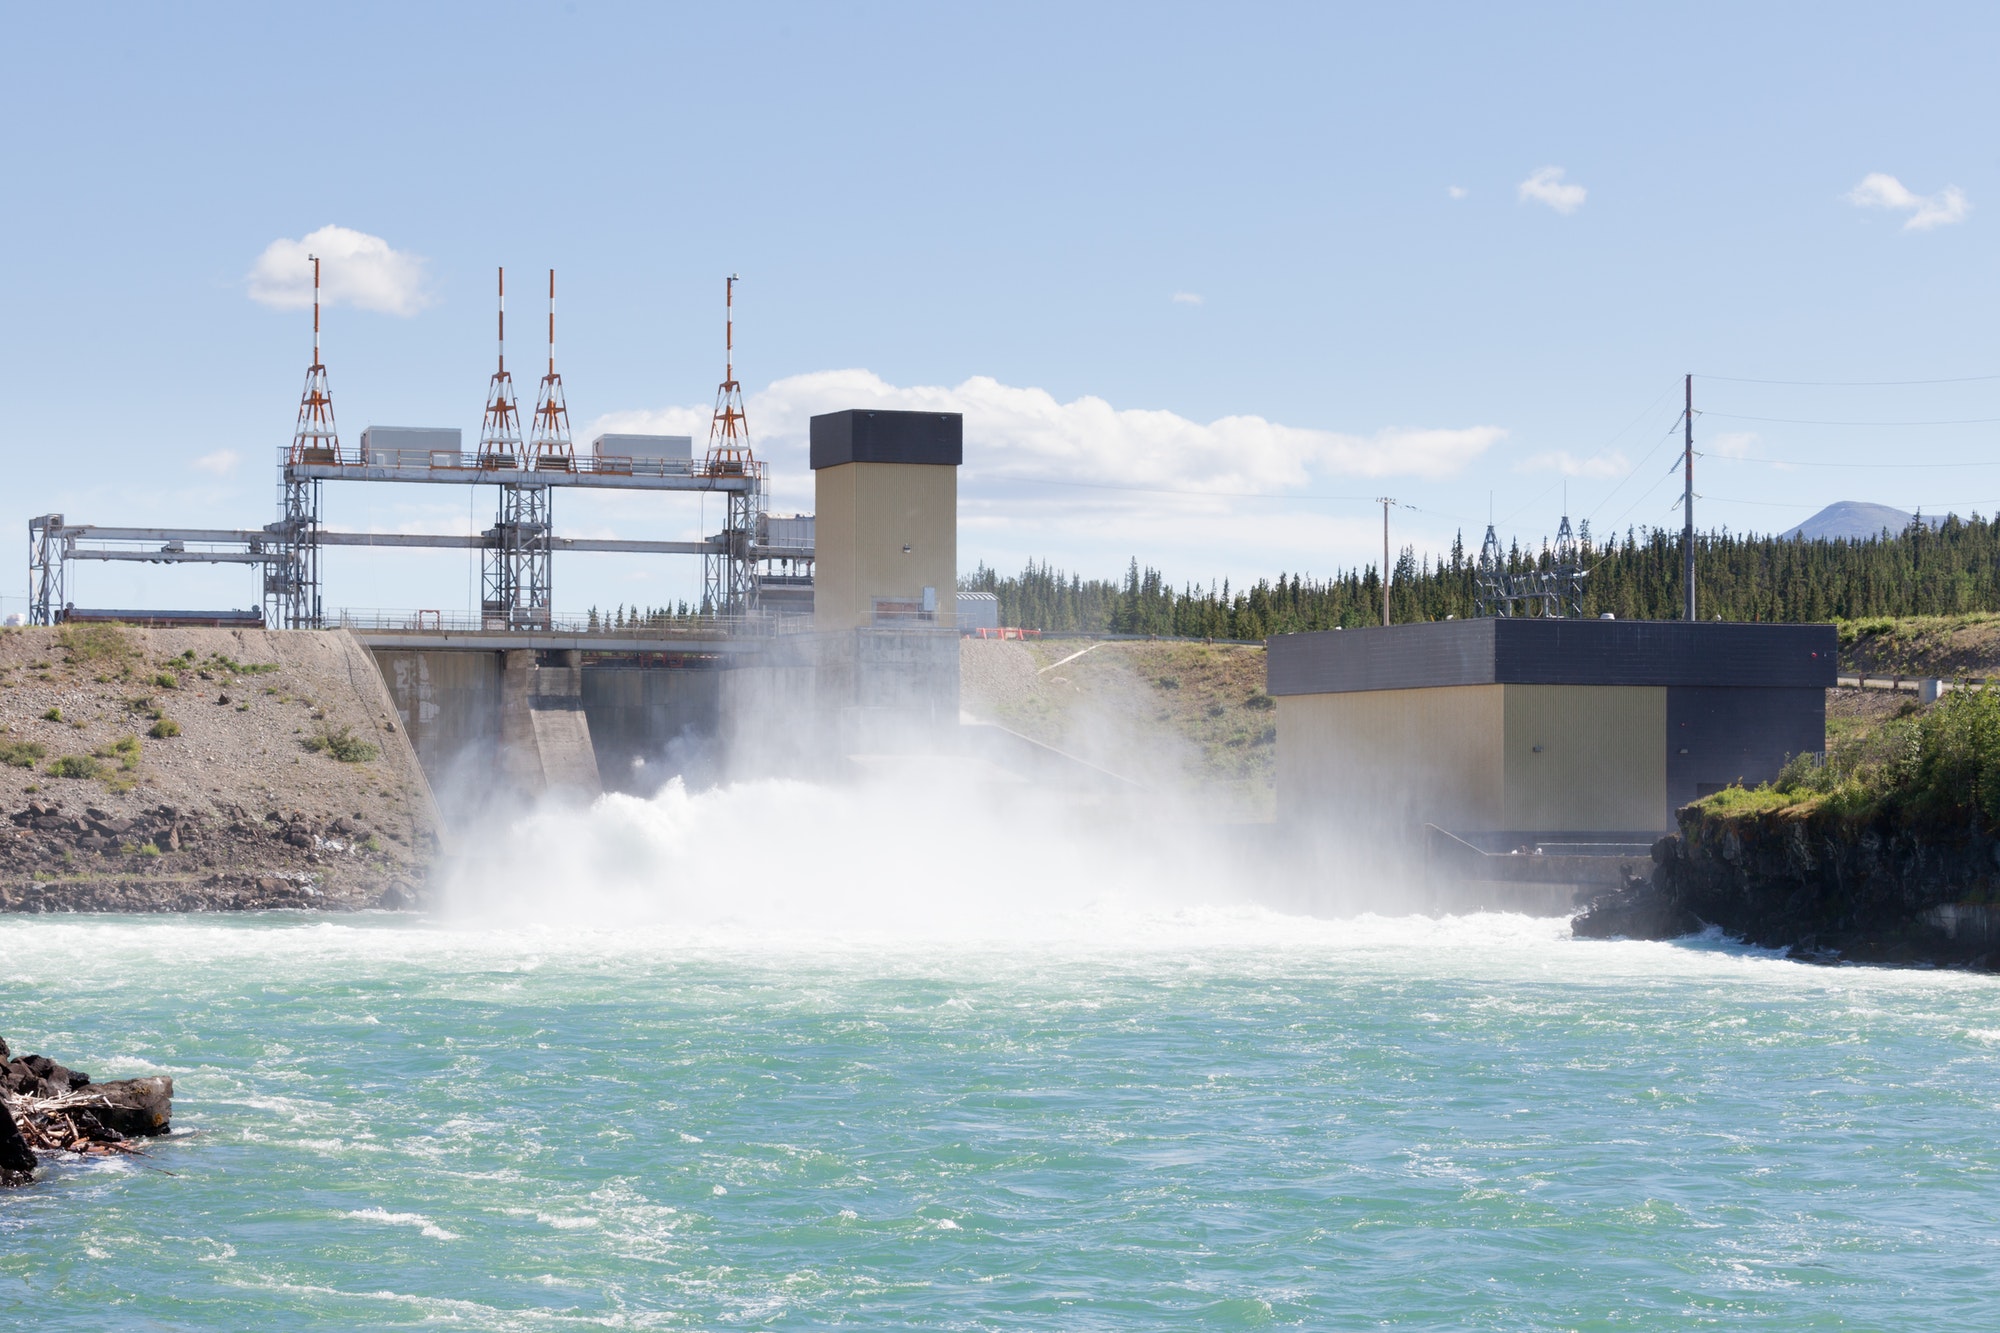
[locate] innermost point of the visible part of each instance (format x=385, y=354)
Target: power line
x=1799, y=421
x=1799, y=462
x=1851, y=384
x=1623, y=431
x=1162, y=490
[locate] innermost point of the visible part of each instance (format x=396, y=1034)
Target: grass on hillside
x=1916, y=764
x=1953, y=647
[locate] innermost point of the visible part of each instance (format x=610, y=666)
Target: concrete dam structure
x=499, y=723
x=508, y=715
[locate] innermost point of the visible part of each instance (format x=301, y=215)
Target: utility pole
x=1687, y=506
x=1385, y=502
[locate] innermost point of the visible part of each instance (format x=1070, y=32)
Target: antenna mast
x=729, y=432
x=551, y=444
x=500, y=431
x=315, y=440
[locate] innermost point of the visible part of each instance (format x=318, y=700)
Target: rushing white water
x=888, y=1072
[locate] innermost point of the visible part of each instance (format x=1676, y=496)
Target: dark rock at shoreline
x=56, y=1109
x=17, y=1159
x=135, y=1107
x=1824, y=887
x=167, y=859
x=1638, y=911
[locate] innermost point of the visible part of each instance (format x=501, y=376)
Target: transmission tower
x=729, y=576
x=1493, y=586
x=291, y=579
x=1564, y=593
x=1555, y=592
x=515, y=566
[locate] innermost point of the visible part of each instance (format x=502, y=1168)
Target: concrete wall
x=509, y=726
x=865, y=514
x=650, y=723
x=491, y=726
x=449, y=703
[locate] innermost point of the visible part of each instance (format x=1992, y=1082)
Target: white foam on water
x=897, y=876
x=423, y=1224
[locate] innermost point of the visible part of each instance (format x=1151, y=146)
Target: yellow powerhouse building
x=1509, y=731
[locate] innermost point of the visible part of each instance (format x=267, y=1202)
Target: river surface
x=1196, y=1118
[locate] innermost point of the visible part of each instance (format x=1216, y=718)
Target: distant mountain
x=1852, y=520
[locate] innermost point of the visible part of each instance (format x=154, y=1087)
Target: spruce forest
x=1926, y=569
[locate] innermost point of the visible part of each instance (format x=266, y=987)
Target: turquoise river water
x=1218, y=1118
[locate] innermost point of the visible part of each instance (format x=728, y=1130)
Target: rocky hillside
x=191, y=769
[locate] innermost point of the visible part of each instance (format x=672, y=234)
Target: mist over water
x=913, y=1053
x=920, y=850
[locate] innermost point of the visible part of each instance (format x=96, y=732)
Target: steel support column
x=291, y=576
x=48, y=565
x=518, y=573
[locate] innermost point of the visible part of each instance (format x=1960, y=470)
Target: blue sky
x=1197, y=275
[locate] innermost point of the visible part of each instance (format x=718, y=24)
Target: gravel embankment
x=201, y=769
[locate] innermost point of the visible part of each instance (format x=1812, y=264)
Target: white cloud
x=220, y=463
x=1566, y=463
x=1457, y=191
x=1015, y=436
x=1185, y=298
x=1546, y=186
x=356, y=269
x=1880, y=190
x=1732, y=444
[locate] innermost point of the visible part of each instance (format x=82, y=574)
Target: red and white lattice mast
x=500, y=431
x=729, y=580
x=315, y=440
x=550, y=441
x=729, y=432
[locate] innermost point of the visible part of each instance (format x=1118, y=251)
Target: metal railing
x=457, y=460
x=664, y=629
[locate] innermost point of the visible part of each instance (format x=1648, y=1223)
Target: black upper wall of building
x=864, y=436
x=1552, y=652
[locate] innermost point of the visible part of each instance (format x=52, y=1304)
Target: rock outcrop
x=1820, y=885
x=54, y=1109
x=162, y=858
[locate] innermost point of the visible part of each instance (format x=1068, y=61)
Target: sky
x=1204, y=281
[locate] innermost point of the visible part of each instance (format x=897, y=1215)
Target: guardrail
x=1926, y=688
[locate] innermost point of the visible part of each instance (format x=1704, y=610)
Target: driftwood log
x=52, y=1109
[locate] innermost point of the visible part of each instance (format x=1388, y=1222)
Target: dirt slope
x=200, y=768
x=1188, y=717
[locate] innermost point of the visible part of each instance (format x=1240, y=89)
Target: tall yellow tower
x=886, y=519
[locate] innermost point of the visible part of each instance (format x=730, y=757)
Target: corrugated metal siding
x=858, y=436
x=1664, y=652
x=1585, y=757
x=1552, y=652
x=1398, y=657
x=1732, y=733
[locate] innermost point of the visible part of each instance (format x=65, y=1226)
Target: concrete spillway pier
x=493, y=720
